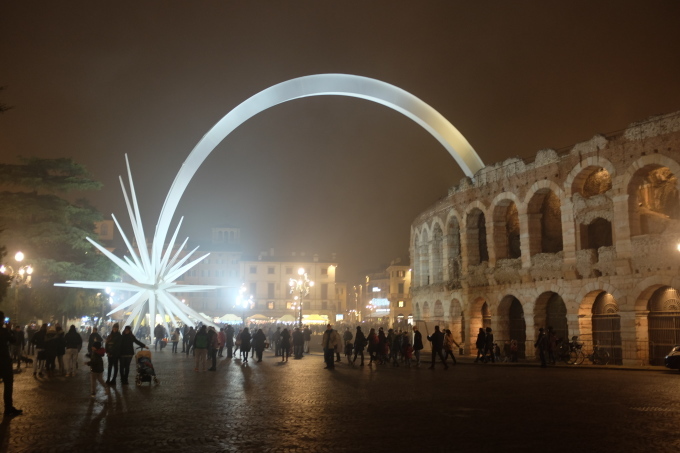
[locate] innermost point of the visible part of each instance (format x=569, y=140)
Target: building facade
x=585, y=241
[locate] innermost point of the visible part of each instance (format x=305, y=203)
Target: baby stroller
x=145, y=371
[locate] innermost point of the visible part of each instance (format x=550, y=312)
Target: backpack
x=201, y=342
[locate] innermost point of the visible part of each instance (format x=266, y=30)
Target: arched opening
x=424, y=259
x=438, y=311
x=476, y=234
x=506, y=230
x=453, y=244
x=437, y=250
x=486, y=316
x=597, y=234
x=511, y=324
x=545, y=223
x=607, y=326
x=594, y=182
x=426, y=311
x=664, y=323
x=417, y=313
x=551, y=311
x=652, y=200
x=456, y=320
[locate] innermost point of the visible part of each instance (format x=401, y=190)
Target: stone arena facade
x=585, y=241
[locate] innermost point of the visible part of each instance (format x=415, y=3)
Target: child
x=408, y=353
x=96, y=365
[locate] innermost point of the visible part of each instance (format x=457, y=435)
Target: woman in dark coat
x=245, y=344
x=127, y=352
x=359, y=345
x=258, y=343
x=382, y=346
x=113, y=343
x=285, y=345
x=372, y=345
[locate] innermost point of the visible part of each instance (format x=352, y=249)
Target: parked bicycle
x=572, y=353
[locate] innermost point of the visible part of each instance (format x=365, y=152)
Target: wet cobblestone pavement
x=299, y=406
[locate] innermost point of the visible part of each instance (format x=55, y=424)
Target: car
x=672, y=360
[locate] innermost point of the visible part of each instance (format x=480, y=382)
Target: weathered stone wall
x=629, y=180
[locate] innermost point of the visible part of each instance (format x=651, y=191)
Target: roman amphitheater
x=584, y=240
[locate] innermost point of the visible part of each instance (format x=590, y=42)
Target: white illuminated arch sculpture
x=155, y=274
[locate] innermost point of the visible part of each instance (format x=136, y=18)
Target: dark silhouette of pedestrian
x=6, y=372
x=437, y=340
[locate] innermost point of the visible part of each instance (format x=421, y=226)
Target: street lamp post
x=19, y=276
x=301, y=286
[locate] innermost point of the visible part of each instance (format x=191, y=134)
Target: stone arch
x=505, y=211
x=511, y=324
x=457, y=320
x=475, y=234
x=315, y=85
x=436, y=253
x=663, y=322
x=476, y=317
x=438, y=314
x=422, y=257
x=544, y=214
x=416, y=312
x=426, y=311
x=653, y=190
x=453, y=248
x=581, y=171
x=550, y=310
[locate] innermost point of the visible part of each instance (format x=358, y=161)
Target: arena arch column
x=531, y=332
x=621, y=228
x=629, y=336
x=573, y=324
x=569, y=238
x=641, y=320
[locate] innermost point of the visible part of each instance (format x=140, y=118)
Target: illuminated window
x=401, y=304
x=270, y=305
x=289, y=305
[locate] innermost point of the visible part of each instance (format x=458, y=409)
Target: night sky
x=94, y=80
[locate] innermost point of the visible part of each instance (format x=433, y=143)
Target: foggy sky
x=95, y=80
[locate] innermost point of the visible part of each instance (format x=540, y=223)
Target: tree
x=51, y=230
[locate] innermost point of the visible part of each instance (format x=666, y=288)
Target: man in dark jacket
x=437, y=340
x=417, y=344
x=229, y=340
x=6, y=373
x=73, y=342
x=159, y=333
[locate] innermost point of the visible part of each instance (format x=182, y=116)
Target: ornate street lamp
x=301, y=287
x=19, y=277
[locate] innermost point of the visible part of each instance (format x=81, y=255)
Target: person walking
x=201, y=348
x=60, y=348
x=94, y=336
x=489, y=346
x=284, y=344
x=40, y=355
x=372, y=346
x=159, y=333
x=30, y=331
x=127, y=352
x=298, y=343
x=191, y=336
x=96, y=364
x=18, y=345
x=74, y=343
x=449, y=341
x=542, y=346
x=221, y=339
x=417, y=344
x=175, y=340
x=259, y=339
x=276, y=341
x=112, y=347
x=229, y=340
x=437, y=340
x=480, y=344
x=213, y=346
x=359, y=345
x=307, y=333
x=7, y=339
x=245, y=344
x=330, y=341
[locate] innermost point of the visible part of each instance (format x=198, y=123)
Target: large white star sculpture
x=154, y=275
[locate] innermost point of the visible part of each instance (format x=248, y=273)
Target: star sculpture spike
x=153, y=274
